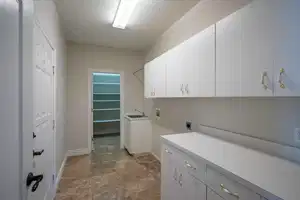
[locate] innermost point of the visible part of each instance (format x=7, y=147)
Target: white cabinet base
x=138, y=136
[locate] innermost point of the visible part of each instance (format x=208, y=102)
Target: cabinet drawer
x=227, y=188
x=211, y=195
x=195, y=167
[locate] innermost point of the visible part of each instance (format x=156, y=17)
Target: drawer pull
x=189, y=165
x=236, y=195
x=175, y=175
x=167, y=151
x=180, y=180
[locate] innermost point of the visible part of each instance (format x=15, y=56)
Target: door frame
x=54, y=87
x=90, y=99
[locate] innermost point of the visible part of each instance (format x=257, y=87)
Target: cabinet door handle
x=181, y=88
x=280, y=79
x=187, y=88
x=263, y=76
x=224, y=189
x=189, y=165
x=167, y=151
x=175, y=175
x=180, y=180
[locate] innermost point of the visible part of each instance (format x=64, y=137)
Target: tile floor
x=109, y=173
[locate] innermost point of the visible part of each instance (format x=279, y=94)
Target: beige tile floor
x=109, y=173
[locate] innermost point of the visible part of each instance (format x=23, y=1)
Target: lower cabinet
x=176, y=182
x=184, y=177
x=169, y=175
x=192, y=188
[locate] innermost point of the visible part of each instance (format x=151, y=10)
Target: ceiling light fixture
x=124, y=12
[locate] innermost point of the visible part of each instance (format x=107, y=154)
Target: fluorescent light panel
x=124, y=12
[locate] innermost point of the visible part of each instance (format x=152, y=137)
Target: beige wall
x=45, y=12
x=271, y=119
x=80, y=59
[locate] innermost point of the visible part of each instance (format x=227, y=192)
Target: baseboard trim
x=59, y=175
x=155, y=156
x=78, y=152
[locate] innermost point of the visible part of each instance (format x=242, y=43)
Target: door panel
x=159, y=76
x=175, y=72
x=147, y=90
x=193, y=189
x=257, y=49
x=43, y=115
x=169, y=175
x=199, y=68
x=212, y=195
x=228, y=56
x=287, y=30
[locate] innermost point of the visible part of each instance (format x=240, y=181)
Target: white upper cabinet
x=287, y=49
x=191, y=66
x=251, y=53
x=199, y=64
x=147, y=88
x=257, y=49
x=175, y=73
x=244, y=52
x=155, y=78
x=159, y=76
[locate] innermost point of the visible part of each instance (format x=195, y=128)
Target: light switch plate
x=297, y=135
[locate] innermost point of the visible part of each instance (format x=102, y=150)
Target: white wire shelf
x=103, y=83
x=105, y=121
x=106, y=100
x=106, y=109
x=106, y=93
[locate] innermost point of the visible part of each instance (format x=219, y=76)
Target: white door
x=11, y=93
x=43, y=161
x=287, y=60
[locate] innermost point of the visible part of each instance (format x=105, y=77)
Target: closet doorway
x=106, y=108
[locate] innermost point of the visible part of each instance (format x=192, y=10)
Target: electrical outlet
x=297, y=135
x=157, y=113
x=188, y=125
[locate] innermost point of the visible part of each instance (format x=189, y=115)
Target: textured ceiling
x=90, y=21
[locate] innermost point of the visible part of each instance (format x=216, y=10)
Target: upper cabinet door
x=257, y=49
x=245, y=52
x=228, y=56
x=199, y=64
x=287, y=59
x=149, y=81
x=175, y=72
x=146, y=81
x=158, y=75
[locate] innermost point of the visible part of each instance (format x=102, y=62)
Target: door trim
x=90, y=98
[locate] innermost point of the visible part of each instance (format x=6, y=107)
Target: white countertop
x=275, y=175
